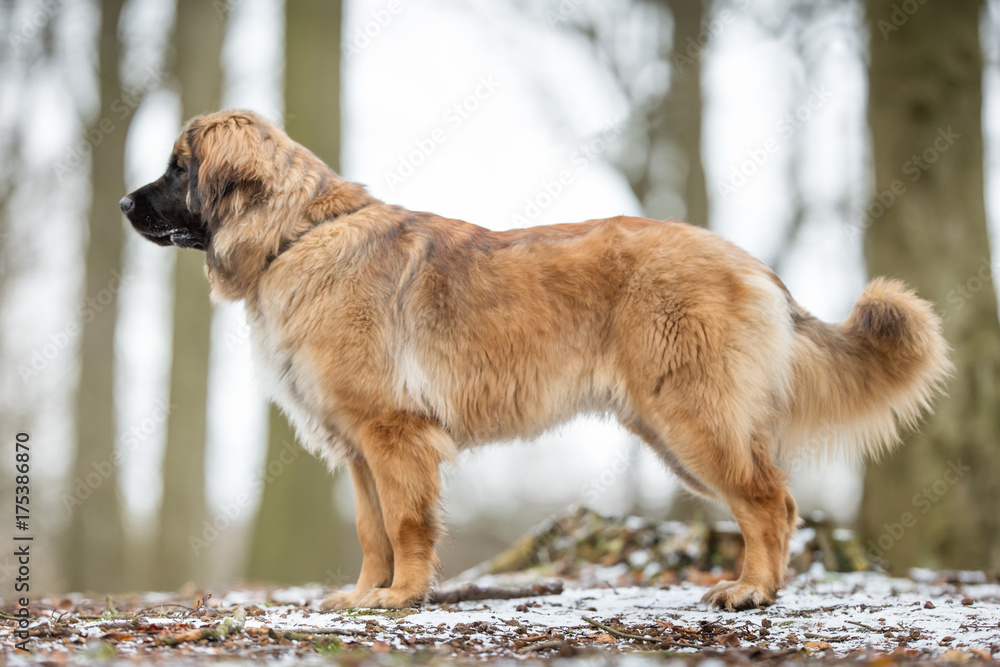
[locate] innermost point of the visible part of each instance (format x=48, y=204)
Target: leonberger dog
x=394, y=339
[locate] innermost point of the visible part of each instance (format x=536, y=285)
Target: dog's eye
x=174, y=167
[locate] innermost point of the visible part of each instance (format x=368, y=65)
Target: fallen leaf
x=728, y=639
x=605, y=638
x=816, y=646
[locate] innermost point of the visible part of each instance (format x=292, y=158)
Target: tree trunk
x=198, y=39
x=673, y=182
x=936, y=502
x=95, y=551
x=296, y=533
x=312, y=76
x=683, y=108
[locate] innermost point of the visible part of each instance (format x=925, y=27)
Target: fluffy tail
x=854, y=384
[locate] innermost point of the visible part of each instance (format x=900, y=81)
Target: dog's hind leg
x=376, y=549
x=403, y=453
x=745, y=477
x=763, y=517
x=756, y=492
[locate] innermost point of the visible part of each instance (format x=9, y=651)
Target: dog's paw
x=393, y=598
x=344, y=600
x=736, y=595
x=372, y=598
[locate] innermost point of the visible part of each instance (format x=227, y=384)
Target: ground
x=627, y=611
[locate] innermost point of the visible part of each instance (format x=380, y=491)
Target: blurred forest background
x=832, y=139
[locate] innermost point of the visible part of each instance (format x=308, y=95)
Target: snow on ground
x=850, y=612
x=857, y=615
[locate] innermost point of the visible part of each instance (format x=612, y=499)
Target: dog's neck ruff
x=288, y=243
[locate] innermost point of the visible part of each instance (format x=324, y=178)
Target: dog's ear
x=231, y=166
x=230, y=159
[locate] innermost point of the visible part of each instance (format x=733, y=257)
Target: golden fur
x=395, y=339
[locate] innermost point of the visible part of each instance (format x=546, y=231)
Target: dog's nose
x=126, y=204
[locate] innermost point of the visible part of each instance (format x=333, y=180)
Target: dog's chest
x=280, y=370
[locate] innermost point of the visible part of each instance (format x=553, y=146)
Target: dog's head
x=161, y=211
x=240, y=189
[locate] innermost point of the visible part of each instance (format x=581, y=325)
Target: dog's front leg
x=403, y=453
x=376, y=549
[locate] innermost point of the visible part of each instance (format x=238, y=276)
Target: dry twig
x=619, y=633
x=473, y=592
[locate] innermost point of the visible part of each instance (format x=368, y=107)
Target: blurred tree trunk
x=683, y=110
x=13, y=152
x=296, y=533
x=9, y=421
x=198, y=47
x=673, y=183
x=95, y=550
x=936, y=502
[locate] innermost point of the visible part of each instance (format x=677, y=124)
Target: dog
x=394, y=339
